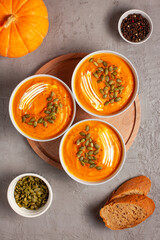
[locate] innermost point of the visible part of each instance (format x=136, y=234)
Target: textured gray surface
x=83, y=26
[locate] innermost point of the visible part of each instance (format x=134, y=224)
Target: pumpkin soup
x=103, y=84
x=91, y=150
x=42, y=107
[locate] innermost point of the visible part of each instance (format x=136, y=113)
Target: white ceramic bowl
x=135, y=89
x=11, y=101
x=136, y=11
x=23, y=211
x=113, y=175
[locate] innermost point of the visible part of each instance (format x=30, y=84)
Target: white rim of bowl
x=94, y=183
x=136, y=11
x=11, y=112
x=13, y=204
x=135, y=77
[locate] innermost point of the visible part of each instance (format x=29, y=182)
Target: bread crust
x=138, y=185
x=139, y=200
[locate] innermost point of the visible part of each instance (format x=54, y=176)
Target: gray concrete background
x=83, y=26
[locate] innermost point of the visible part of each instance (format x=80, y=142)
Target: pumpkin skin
x=23, y=26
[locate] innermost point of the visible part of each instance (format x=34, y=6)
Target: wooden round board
x=127, y=123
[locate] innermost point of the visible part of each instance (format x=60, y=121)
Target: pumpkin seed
x=82, y=134
x=87, y=128
x=91, y=144
x=96, y=152
x=49, y=107
x=110, y=69
x=105, y=89
x=53, y=117
x=117, y=99
x=100, y=69
x=47, y=112
x=111, y=96
x=104, y=63
x=90, y=153
x=90, y=157
x=92, y=165
x=40, y=120
x=55, y=100
x=30, y=123
x=55, y=105
x=107, y=84
x=107, y=78
x=101, y=91
x=112, y=76
x=49, y=98
x=91, y=60
x=115, y=89
x=118, y=80
x=52, y=94
x=79, y=153
x=95, y=75
x=106, y=71
x=115, y=68
x=88, y=136
x=78, y=142
x=85, y=161
x=96, y=145
x=106, y=103
x=81, y=148
x=45, y=124
x=111, y=82
x=32, y=119
x=94, y=158
x=112, y=87
x=96, y=64
x=120, y=87
x=35, y=124
x=112, y=100
x=82, y=163
x=81, y=158
x=89, y=148
x=56, y=110
x=83, y=140
x=104, y=96
x=98, y=81
x=86, y=154
x=115, y=94
x=102, y=77
x=23, y=119
x=90, y=140
x=114, y=73
x=50, y=121
x=87, y=142
x=60, y=105
x=98, y=167
x=27, y=115
x=91, y=162
x=120, y=91
x=99, y=61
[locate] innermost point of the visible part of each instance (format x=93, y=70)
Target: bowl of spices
x=29, y=195
x=135, y=26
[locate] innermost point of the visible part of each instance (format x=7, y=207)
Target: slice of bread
x=138, y=185
x=127, y=211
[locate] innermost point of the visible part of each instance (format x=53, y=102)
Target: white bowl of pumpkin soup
x=105, y=83
x=42, y=107
x=92, y=152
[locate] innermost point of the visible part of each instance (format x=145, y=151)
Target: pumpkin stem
x=10, y=19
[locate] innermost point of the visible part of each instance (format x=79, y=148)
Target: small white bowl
x=23, y=211
x=136, y=11
x=135, y=89
x=11, y=112
x=113, y=175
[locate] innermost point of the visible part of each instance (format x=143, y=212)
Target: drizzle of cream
x=32, y=93
x=107, y=146
x=88, y=91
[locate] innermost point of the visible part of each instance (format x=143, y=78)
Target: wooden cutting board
x=127, y=123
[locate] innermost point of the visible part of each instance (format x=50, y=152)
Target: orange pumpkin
x=23, y=26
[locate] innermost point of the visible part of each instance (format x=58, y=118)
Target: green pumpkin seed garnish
x=104, y=96
x=87, y=128
x=101, y=91
x=90, y=140
x=117, y=99
x=47, y=112
x=55, y=100
x=35, y=124
x=82, y=163
x=120, y=87
x=49, y=98
x=88, y=136
x=104, y=63
x=27, y=115
x=85, y=161
x=89, y=148
x=96, y=64
x=120, y=91
x=99, y=61
x=96, y=152
x=49, y=104
x=87, y=142
x=83, y=140
x=82, y=134
x=23, y=119
x=115, y=94
x=106, y=71
x=30, y=123
x=98, y=167
x=112, y=87
x=105, y=89
x=81, y=158
x=111, y=101
x=91, y=162
x=95, y=75
x=111, y=82
x=106, y=103
x=91, y=60
x=118, y=80
x=60, y=105
x=98, y=81
x=86, y=154
x=90, y=157
x=102, y=77
x=40, y=120
x=50, y=121
x=81, y=148
x=112, y=76
x=53, y=117
x=49, y=107
x=56, y=110
x=110, y=69
x=90, y=153
x=100, y=69
x=44, y=123
x=79, y=153
x=91, y=144
x=32, y=119
x=78, y=142
x=107, y=78
x=115, y=68
x=96, y=145
x=52, y=94
x=114, y=73
x=92, y=165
